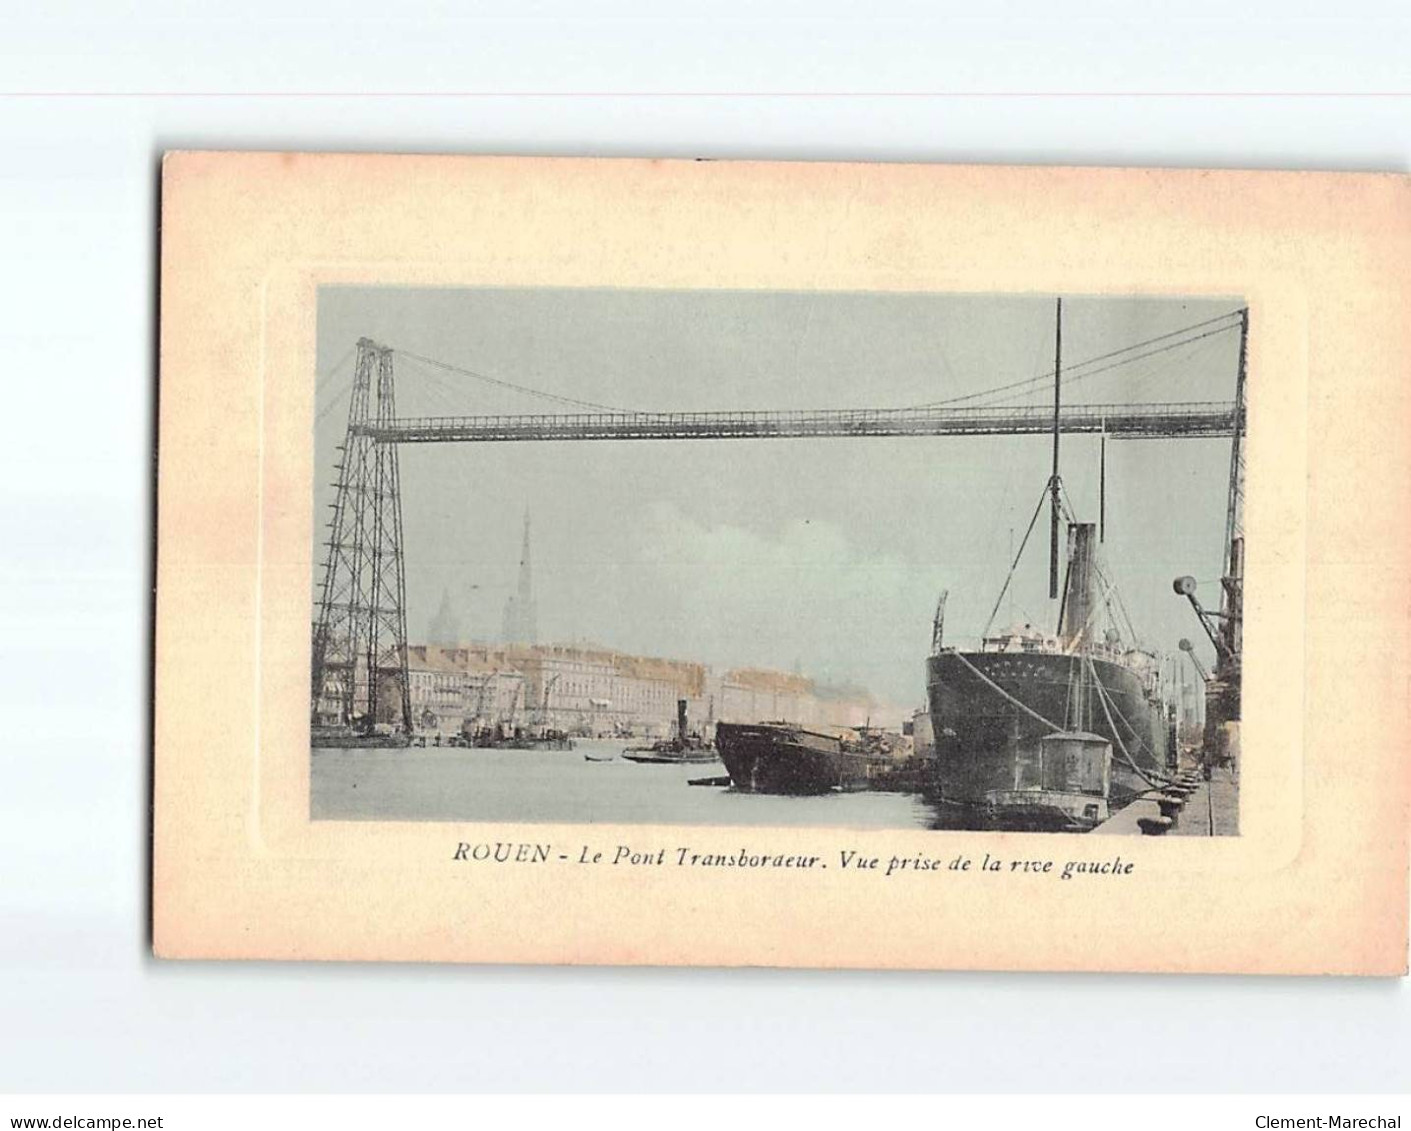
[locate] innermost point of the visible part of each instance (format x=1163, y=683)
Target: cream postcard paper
x=781, y=564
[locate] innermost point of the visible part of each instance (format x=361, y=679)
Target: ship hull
x=987, y=748
x=778, y=758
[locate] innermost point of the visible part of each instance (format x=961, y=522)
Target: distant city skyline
x=819, y=555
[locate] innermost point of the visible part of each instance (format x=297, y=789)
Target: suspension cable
x=321, y=383
x=574, y=401
x=1073, y=379
x=1075, y=372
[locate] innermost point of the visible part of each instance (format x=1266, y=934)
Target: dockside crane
x=544, y=705
x=1226, y=627
x=938, y=623
x=1186, y=587
x=1189, y=649
x=514, y=703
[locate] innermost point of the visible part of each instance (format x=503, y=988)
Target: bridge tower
x=359, y=674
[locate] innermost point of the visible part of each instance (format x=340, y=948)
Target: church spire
x=445, y=626
x=529, y=627
x=524, y=578
x=521, y=619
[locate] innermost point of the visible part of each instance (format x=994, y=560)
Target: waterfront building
x=440, y=690
x=596, y=691
x=599, y=692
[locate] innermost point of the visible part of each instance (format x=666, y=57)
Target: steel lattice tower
x=360, y=637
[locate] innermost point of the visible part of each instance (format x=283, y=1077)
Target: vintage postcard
x=782, y=564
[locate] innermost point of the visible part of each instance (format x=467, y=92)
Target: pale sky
x=827, y=555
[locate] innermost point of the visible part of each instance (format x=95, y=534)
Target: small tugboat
x=682, y=748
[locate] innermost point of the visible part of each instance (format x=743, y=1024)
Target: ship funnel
x=1078, y=603
x=681, y=719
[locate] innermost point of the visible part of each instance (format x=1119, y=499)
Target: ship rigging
x=1050, y=729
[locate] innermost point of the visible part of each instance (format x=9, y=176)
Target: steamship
x=1049, y=731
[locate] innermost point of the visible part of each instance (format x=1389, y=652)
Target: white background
x=93, y=95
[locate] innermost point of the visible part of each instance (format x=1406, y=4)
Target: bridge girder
x=1171, y=421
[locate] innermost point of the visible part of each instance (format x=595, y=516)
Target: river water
x=563, y=787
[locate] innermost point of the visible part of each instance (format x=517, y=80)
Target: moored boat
x=1050, y=731
x=353, y=738
x=502, y=736
x=683, y=747
x=667, y=754
x=780, y=757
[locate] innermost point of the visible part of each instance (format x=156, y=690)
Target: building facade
x=601, y=693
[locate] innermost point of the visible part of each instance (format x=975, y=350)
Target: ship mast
x=1102, y=485
x=1053, y=479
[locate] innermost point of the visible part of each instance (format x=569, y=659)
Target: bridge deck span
x=1122, y=421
